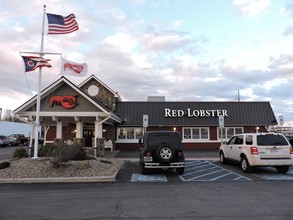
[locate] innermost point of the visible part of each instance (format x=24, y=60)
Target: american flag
x=31, y=63
x=58, y=24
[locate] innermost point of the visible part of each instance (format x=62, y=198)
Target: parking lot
x=202, y=170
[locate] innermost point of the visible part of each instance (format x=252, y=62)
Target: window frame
x=192, y=135
x=225, y=134
x=130, y=134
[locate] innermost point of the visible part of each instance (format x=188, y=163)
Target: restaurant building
x=92, y=111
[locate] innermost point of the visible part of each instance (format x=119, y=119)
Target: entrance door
x=88, y=137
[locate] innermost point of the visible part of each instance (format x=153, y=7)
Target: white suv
x=258, y=149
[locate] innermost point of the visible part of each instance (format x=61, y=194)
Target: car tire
x=282, y=169
x=245, y=166
x=165, y=154
x=223, y=159
x=25, y=143
x=180, y=170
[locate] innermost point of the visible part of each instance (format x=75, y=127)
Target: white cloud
x=166, y=41
x=178, y=23
x=213, y=79
x=252, y=8
x=140, y=60
x=122, y=41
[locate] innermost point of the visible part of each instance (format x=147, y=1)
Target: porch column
x=79, y=129
x=98, y=140
x=98, y=129
x=79, y=133
x=58, y=140
x=59, y=129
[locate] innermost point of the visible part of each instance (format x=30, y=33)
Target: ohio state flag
x=72, y=68
x=31, y=63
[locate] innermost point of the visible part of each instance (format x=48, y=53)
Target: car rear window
x=164, y=138
x=271, y=139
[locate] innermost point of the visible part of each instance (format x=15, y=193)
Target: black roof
x=238, y=113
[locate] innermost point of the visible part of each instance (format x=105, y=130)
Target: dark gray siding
x=239, y=113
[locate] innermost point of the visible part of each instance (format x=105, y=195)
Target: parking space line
x=201, y=170
x=219, y=177
x=239, y=176
x=198, y=171
x=191, y=164
x=207, y=174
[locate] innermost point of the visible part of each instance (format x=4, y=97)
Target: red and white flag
x=72, y=68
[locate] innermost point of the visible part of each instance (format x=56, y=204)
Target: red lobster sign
x=67, y=101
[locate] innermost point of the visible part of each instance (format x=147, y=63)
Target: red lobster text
x=67, y=101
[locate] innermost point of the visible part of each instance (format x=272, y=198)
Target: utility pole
x=238, y=95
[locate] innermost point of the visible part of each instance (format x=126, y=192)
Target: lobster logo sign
x=67, y=101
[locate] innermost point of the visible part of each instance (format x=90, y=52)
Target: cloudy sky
x=188, y=50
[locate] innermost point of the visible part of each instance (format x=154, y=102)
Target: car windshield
x=271, y=140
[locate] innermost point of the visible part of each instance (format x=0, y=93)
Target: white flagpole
x=39, y=93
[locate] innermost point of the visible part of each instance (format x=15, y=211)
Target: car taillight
x=253, y=150
x=180, y=154
x=148, y=154
x=291, y=150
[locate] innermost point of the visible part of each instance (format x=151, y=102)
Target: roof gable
x=54, y=89
x=94, y=78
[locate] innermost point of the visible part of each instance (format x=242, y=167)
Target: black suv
x=161, y=149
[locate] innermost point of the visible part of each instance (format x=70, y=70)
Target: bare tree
x=7, y=115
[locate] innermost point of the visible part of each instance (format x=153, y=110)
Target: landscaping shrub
x=4, y=165
x=20, y=153
x=48, y=151
x=65, y=153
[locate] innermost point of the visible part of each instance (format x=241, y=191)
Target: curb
x=99, y=179
x=62, y=180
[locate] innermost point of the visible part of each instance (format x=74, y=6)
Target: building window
x=121, y=133
x=229, y=132
x=129, y=133
x=195, y=133
x=248, y=139
x=138, y=133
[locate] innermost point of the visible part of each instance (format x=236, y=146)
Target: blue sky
x=189, y=50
